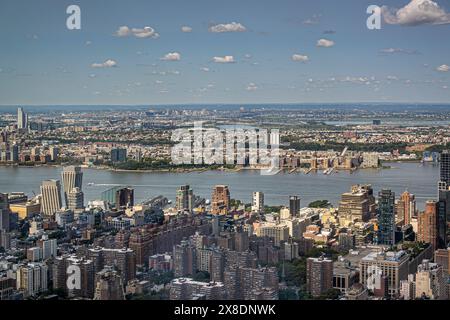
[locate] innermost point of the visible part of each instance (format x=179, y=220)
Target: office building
x=378, y=267
x=294, y=206
x=51, y=197
x=72, y=177
x=445, y=167
x=118, y=197
x=22, y=119
x=75, y=199
x=185, y=199
x=258, y=201
x=431, y=282
x=220, y=203
x=386, y=217
x=319, y=275
x=428, y=225
x=358, y=205
x=442, y=258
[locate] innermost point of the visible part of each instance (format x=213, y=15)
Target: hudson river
x=417, y=178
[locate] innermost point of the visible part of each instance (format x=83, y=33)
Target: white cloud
x=313, y=20
x=415, y=13
x=228, y=27
x=186, y=29
x=443, y=68
x=225, y=59
x=299, y=57
x=251, y=87
x=398, y=50
x=107, y=64
x=88, y=43
x=325, y=43
x=205, y=69
x=172, y=56
x=146, y=32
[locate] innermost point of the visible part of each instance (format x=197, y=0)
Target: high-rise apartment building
x=32, y=279
x=258, y=201
x=185, y=199
x=407, y=206
x=184, y=259
x=109, y=285
x=118, y=155
x=51, y=197
x=72, y=177
x=220, y=200
x=319, y=275
x=428, y=225
x=386, y=217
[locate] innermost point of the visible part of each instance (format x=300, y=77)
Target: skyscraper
x=445, y=167
x=75, y=199
x=294, y=205
x=51, y=197
x=185, y=198
x=428, y=224
x=409, y=206
x=386, y=217
x=72, y=177
x=220, y=203
x=258, y=201
x=22, y=119
x=4, y=212
x=444, y=198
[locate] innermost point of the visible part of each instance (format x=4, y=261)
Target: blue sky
x=42, y=62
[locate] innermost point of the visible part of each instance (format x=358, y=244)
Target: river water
x=417, y=178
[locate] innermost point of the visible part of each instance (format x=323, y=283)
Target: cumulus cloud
x=398, y=50
x=325, y=43
x=146, y=32
x=252, y=87
x=415, y=13
x=107, y=64
x=299, y=57
x=227, y=27
x=186, y=29
x=172, y=56
x=225, y=59
x=443, y=68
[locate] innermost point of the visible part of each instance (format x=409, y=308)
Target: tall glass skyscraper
x=386, y=217
x=443, y=206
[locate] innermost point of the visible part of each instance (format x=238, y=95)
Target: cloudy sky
x=235, y=51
